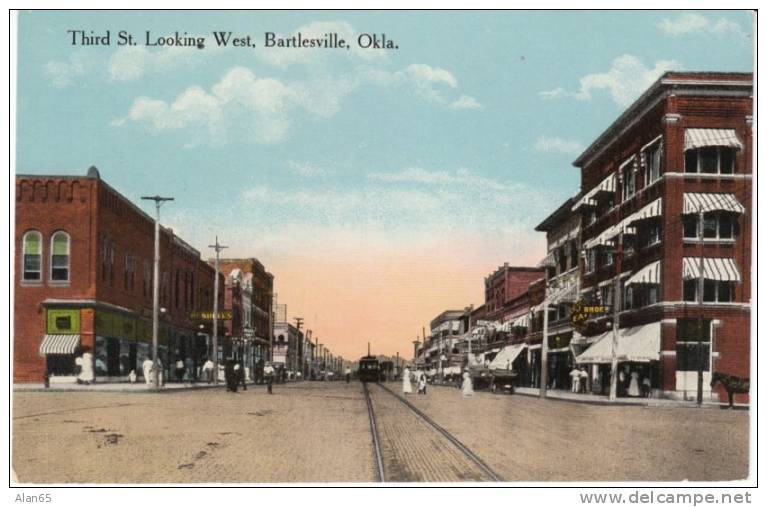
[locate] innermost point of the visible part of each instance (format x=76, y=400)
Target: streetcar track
x=379, y=467
x=457, y=444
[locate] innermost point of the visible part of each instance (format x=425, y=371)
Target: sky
x=379, y=186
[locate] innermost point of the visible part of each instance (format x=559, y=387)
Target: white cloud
x=460, y=177
x=62, y=74
x=306, y=169
x=557, y=145
x=426, y=75
x=626, y=79
x=466, y=102
x=241, y=104
x=130, y=63
x=692, y=23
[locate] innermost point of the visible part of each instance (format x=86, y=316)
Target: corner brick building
x=683, y=149
x=83, y=282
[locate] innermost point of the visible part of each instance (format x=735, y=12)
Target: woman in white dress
x=406, y=387
x=634, y=384
x=467, y=387
x=86, y=375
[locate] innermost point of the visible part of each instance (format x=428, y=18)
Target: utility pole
x=545, y=345
x=616, y=319
x=299, y=324
x=469, y=309
x=701, y=283
x=158, y=201
x=217, y=247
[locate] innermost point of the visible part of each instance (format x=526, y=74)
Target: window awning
x=606, y=185
x=697, y=202
x=699, y=138
x=723, y=269
x=548, y=261
x=651, y=210
x=505, y=357
x=639, y=344
x=523, y=321
x=603, y=238
x=647, y=274
x=59, y=344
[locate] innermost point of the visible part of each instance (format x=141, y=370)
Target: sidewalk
x=117, y=387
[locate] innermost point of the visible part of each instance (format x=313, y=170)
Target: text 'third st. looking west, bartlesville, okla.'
x=329, y=40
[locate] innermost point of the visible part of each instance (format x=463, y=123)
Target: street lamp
x=158, y=201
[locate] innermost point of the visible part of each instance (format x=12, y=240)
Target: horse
x=731, y=384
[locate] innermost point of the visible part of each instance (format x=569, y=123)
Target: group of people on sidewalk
x=419, y=377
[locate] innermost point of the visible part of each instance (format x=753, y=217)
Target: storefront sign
x=222, y=315
x=63, y=322
x=580, y=312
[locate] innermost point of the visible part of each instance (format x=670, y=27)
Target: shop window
x=60, y=257
x=32, y=254
x=710, y=160
x=689, y=332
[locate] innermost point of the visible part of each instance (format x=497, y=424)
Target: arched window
x=60, y=257
x=32, y=254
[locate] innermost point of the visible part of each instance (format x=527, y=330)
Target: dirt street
x=319, y=432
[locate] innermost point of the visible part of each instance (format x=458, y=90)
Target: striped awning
x=548, y=261
x=59, y=344
x=523, y=321
x=606, y=185
x=648, y=274
x=651, y=210
x=604, y=237
x=703, y=202
x=723, y=269
x=699, y=138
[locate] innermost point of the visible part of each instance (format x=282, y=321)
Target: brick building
x=505, y=285
x=83, y=282
x=248, y=292
x=682, y=150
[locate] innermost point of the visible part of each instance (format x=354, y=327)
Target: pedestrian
x=180, y=370
x=646, y=387
x=575, y=380
x=239, y=371
x=348, y=373
x=467, y=388
x=230, y=376
x=85, y=361
x=634, y=384
x=622, y=383
x=406, y=387
x=132, y=377
x=207, y=370
x=584, y=380
x=160, y=372
x=269, y=376
x=422, y=383
x=147, y=366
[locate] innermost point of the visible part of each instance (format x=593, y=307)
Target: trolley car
x=369, y=369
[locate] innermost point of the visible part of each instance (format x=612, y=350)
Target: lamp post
x=158, y=201
x=217, y=247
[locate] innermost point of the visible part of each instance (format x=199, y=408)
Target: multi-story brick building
x=83, y=282
x=249, y=291
x=683, y=150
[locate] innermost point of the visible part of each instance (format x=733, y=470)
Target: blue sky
x=456, y=145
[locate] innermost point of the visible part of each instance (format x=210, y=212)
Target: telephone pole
x=701, y=284
x=217, y=247
x=299, y=324
x=158, y=201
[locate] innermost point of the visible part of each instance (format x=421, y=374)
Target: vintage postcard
x=373, y=248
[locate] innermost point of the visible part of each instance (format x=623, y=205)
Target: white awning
x=602, y=238
x=651, y=210
x=699, y=138
x=639, y=344
x=506, y=357
x=648, y=274
x=572, y=234
x=523, y=321
x=697, y=202
x=714, y=268
x=59, y=344
x=548, y=261
x=606, y=185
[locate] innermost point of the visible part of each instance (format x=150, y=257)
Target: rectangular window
x=709, y=290
x=690, y=355
x=727, y=161
x=652, y=160
x=609, y=258
x=690, y=290
x=726, y=226
x=628, y=181
x=710, y=160
x=690, y=226
x=628, y=298
x=691, y=161
x=654, y=232
x=652, y=294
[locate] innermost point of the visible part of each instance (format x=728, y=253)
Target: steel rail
x=465, y=450
x=380, y=476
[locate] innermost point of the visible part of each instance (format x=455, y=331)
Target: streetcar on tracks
x=369, y=369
